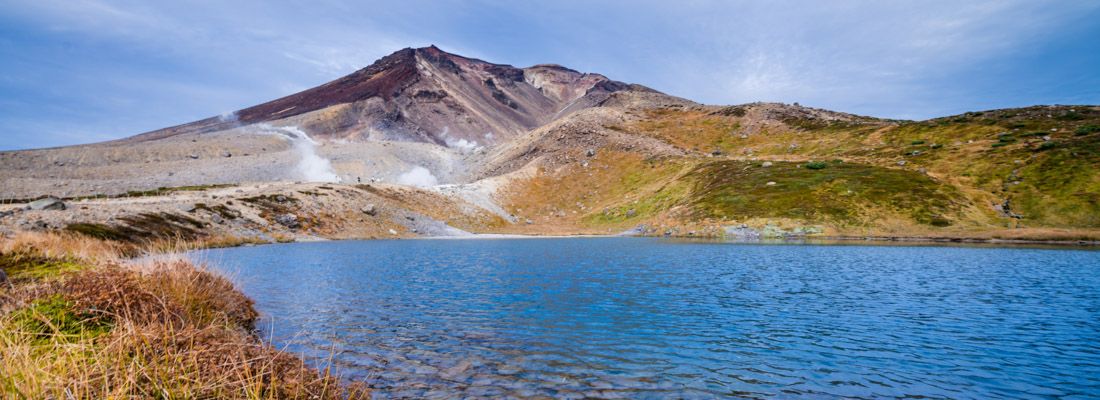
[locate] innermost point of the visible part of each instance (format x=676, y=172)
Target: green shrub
x=917, y=142
x=936, y=145
x=1070, y=116
x=1046, y=146
x=816, y=165
x=1000, y=144
x=1087, y=129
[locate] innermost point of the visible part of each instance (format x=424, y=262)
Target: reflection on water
x=642, y=318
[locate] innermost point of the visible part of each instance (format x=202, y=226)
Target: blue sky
x=84, y=71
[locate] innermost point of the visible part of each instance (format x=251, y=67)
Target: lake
x=650, y=318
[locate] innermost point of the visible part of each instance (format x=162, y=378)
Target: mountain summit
x=426, y=95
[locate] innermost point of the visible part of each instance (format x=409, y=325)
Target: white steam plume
x=228, y=116
x=311, y=167
x=418, y=176
x=463, y=145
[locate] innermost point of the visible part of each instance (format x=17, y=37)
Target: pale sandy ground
x=328, y=211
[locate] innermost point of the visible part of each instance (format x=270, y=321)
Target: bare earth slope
x=463, y=143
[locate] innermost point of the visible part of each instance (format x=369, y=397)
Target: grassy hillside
x=1036, y=168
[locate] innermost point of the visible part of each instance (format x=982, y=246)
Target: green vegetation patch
x=1061, y=186
x=55, y=318
x=663, y=199
x=220, y=209
x=272, y=203
x=844, y=193
x=20, y=266
x=101, y=231
x=143, y=227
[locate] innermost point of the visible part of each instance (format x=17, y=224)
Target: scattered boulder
x=187, y=208
x=393, y=232
x=280, y=198
x=766, y=164
x=808, y=230
x=631, y=212
x=3, y=277
x=1005, y=210
x=288, y=220
x=590, y=153
x=193, y=156
x=6, y=213
x=227, y=154
x=901, y=163
x=773, y=231
x=49, y=203
x=770, y=183
x=217, y=219
x=370, y=209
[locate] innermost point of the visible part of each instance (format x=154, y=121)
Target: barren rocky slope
x=548, y=150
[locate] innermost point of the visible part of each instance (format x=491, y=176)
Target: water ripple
x=640, y=318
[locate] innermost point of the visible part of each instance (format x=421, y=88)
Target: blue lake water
x=647, y=318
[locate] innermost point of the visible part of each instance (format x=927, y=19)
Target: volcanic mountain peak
x=426, y=95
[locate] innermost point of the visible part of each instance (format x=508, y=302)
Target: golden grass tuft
x=163, y=328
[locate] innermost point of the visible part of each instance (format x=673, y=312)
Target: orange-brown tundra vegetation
x=80, y=318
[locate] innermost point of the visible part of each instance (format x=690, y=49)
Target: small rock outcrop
x=49, y=203
x=288, y=220
x=370, y=209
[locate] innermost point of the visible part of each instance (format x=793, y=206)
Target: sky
x=81, y=71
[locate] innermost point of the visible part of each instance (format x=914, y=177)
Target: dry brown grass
x=57, y=246
x=160, y=329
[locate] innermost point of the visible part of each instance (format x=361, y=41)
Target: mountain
x=547, y=149
x=425, y=95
